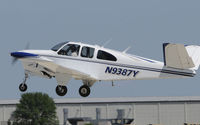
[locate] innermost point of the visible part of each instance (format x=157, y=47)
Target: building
x=144, y=110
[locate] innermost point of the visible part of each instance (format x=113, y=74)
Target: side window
x=87, y=52
x=105, y=56
x=70, y=50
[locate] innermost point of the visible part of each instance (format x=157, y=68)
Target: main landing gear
x=84, y=90
x=23, y=87
x=61, y=90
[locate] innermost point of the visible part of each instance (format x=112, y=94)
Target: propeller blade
x=14, y=60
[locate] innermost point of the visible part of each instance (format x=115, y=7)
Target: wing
x=43, y=64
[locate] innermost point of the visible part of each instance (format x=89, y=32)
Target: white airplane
x=91, y=63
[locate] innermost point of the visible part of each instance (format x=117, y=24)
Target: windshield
x=57, y=47
x=70, y=50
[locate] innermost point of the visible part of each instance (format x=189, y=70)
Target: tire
x=61, y=90
x=84, y=91
x=23, y=87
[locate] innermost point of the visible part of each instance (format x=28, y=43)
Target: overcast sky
x=142, y=24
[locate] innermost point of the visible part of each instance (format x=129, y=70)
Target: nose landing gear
x=23, y=87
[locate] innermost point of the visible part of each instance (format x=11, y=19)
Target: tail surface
x=181, y=57
x=194, y=53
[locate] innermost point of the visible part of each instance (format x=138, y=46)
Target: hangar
x=138, y=110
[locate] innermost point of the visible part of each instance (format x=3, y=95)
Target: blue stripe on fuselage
x=129, y=66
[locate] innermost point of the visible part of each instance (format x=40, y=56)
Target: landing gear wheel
x=23, y=87
x=84, y=91
x=61, y=90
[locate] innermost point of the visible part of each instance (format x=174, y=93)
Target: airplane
x=92, y=63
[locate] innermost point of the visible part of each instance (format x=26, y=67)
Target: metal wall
x=144, y=113
x=164, y=113
x=5, y=113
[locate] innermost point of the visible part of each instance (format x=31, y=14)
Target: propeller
x=14, y=59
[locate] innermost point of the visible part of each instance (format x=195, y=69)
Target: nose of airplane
x=22, y=54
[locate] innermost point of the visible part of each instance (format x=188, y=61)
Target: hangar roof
x=129, y=100
x=115, y=100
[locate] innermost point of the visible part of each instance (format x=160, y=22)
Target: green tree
x=35, y=109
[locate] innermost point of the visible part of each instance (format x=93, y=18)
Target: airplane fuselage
x=91, y=63
x=129, y=68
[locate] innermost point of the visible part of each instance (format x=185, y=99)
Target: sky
x=142, y=24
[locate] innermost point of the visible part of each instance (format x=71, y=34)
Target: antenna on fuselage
x=108, y=41
x=126, y=49
x=113, y=83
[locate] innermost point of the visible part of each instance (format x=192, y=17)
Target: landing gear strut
x=61, y=90
x=23, y=87
x=84, y=91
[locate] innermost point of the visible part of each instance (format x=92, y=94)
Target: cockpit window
x=57, y=47
x=70, y=50
x=105, y=56
x=87, y=52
